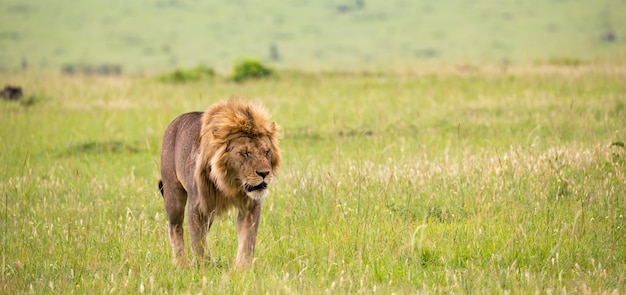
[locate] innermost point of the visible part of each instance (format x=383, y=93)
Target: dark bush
x=11, y=92
x=249, y=68
x=188, y=75
x=92, y=70
x=565, y=62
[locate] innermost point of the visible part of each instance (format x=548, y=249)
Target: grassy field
x=141, y=36
x=447, y=181
x=429, y=147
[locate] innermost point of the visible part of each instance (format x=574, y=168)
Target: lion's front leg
x=247, y=226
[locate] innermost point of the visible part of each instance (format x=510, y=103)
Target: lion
x=212, y=161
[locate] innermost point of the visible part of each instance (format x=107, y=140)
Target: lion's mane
x=221, y=123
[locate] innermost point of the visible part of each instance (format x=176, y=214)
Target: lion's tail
x=161, y=187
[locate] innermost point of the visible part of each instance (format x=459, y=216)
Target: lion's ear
x=215, y=134
x=274, y=127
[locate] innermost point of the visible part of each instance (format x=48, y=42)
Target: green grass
x=449, y=181
x=141, y=36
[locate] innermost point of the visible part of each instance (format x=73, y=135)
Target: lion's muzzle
x=250, y=188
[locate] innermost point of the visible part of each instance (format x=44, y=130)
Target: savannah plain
x=444, y=147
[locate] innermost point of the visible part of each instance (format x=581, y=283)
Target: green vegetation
x=572, y=62
x=449, y=181
x=144, y=36
x=250, y=68
x=429, y=146
x=188, y=75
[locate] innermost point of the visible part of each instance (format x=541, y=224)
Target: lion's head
x=239, y=148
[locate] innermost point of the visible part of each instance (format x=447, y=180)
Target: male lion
x=222, y=158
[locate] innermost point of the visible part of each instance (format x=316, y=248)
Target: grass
x=449, y=181
x=141, y=36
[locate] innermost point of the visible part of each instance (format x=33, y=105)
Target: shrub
x=565, y=62
x=249, y=68
x=92, y=70
x=187, y=75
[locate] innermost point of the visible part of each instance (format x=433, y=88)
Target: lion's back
x=180, y=143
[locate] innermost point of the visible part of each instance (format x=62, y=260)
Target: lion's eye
x=245, y=154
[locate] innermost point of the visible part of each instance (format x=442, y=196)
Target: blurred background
x=140, y=36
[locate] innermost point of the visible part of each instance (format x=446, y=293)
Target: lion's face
x=250, y=165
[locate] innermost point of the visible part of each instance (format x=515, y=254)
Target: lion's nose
x=262, y=173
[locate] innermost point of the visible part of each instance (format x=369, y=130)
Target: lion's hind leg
x=175, y=200
x=178, y=244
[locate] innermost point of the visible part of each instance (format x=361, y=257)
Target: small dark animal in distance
x=11, y=92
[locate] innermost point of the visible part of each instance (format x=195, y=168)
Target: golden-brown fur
x=222, y=158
